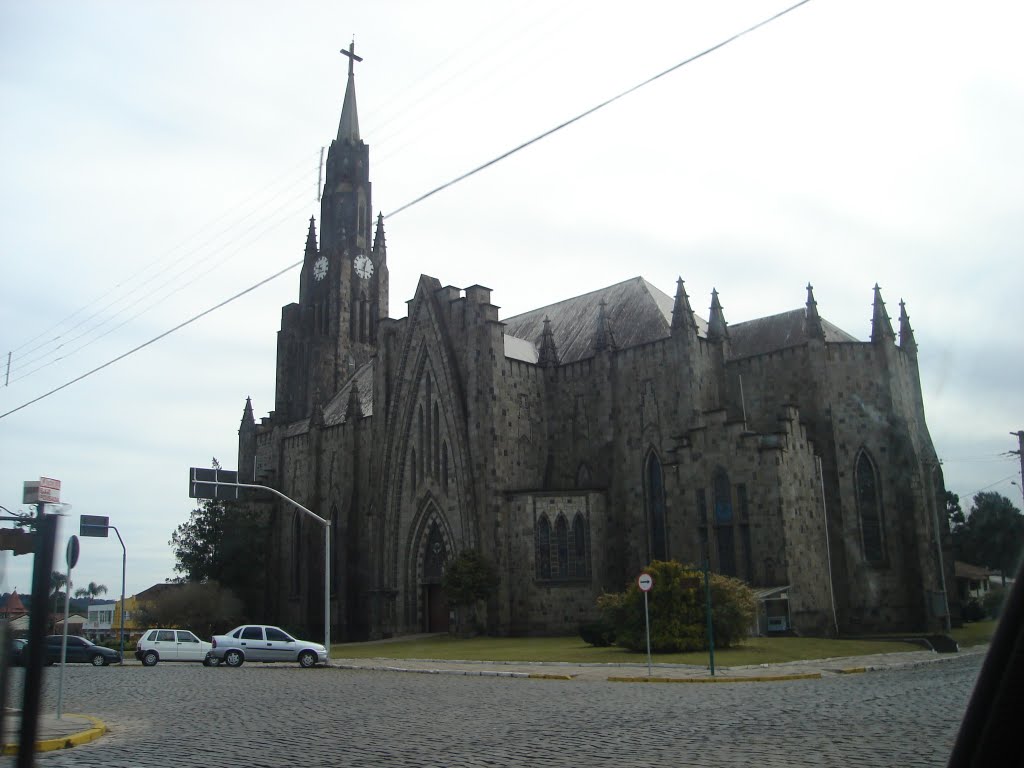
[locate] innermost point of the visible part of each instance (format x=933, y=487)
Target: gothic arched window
x=562, y=545
x=335, y=554
x=542, y=545
x=412, y=469
x=444, y=465
x=583, y=478
x=869, y=507
x=581, y=563
x=724, y=522
x=656, y=508
x=436, y=447
x=434, y=557
x=297, y=552
x=421, y=443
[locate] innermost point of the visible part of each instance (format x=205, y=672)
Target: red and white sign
x=645, y=582
x=49, y=490
x=46, y=491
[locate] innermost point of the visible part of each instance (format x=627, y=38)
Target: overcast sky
x=160, y=157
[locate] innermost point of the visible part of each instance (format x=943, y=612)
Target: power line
x=421, y=198
x=154, y=339
x=594, y=109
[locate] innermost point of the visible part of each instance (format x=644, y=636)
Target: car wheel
x=149, y=659
x=234, y=658
x=98, y=660
x=307, y=659
x=209, y=661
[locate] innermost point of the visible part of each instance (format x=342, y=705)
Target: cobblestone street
x=277, y=715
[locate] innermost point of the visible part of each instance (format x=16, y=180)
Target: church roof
x=636, y=311
x=337, y=410
x=767, y=334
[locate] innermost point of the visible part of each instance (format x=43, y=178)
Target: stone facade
x=575, y=443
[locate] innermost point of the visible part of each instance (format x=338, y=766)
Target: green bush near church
x=677, y=610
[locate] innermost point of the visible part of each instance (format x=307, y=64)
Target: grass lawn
x=756, y=650
x=974, y=633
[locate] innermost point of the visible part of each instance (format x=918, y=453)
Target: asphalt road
x=175, y=715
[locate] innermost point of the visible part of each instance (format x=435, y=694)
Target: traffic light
x=16, y=540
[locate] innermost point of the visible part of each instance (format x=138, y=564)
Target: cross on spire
x=351, y=53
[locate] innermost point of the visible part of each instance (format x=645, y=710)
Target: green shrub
x=676, y=605
x=973, y=610
x=599, y=633
x=992, y=602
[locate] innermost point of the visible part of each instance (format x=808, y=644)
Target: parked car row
x=249, y=642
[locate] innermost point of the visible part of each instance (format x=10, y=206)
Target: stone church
x=575, y=443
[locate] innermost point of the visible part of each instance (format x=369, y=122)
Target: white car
x=157, y=645
x=258, y=642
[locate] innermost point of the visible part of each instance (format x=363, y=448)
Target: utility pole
x=1020, y=455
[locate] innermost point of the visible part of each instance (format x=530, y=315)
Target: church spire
x=379, y=244
x=718, y=329
x=348, y=128
x=247, y=417
x=311, y=236
x=548, y=354
x=812, y=320
x=907, y=340
x=682, y=312
x=881, y=326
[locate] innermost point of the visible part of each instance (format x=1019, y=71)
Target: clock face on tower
x=363, y=265
x=320, y=268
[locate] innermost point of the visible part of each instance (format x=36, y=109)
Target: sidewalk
x=72, y=730
x=659, y=673
x=52, y=733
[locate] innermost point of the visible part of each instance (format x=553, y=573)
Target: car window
x=165, y=636
x=149, y=635
x=276, y=634
x=237, y=632
x=187, y=637
x=252, y=633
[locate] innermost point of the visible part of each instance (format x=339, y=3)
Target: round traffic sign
x=72, y=554
x=645, y=582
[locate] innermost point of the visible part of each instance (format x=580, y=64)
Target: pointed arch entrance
x=431, y=550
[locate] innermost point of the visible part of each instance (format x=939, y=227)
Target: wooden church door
x=435, y=604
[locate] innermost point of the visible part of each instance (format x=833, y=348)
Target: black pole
x=42, y=568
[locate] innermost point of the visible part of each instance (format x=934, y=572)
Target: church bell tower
x=343, y=285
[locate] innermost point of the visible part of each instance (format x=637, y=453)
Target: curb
x=758, y=679
x=97, y=729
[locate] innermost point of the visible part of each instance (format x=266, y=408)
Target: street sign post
x=223, y=484
x=646, y=583
x=94, y=525
x=213, y=484
x=71, y=556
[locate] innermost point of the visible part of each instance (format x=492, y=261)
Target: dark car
x=80, y=650
x=16, y=652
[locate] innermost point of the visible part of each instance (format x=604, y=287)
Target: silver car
x=259, y=642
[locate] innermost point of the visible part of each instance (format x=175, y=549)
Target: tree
x=225, y=542
x=992, y=534
x=207, y=608
x=58, y=581
x=954, y=512
x=468, y=579
x=92, y=591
